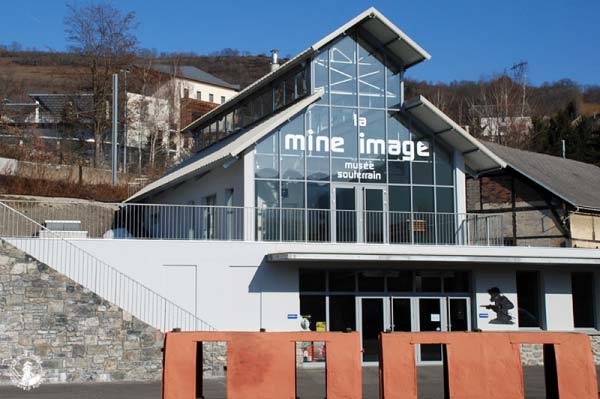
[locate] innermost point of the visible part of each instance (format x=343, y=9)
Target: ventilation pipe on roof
x=274, y=60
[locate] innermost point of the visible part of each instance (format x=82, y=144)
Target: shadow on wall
x=273, y=277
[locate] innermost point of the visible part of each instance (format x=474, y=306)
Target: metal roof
x=371, y=21
x=477, y=157
x=577, y=183
x=193, y=73
x=225, y=150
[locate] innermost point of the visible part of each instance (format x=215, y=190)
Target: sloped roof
x=577, y=183
x=224, y=150
x=55, y=104
x=477, y=157
x=370, y=21
x=193, y=73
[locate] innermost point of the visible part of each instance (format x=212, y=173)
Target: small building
x=546, y=201
x=165, y=98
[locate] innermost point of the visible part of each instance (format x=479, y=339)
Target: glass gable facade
x=352, y=167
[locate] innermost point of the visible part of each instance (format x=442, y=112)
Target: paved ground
x=310, y=386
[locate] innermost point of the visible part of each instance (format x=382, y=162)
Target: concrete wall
x=214, y=182
x=585, y=230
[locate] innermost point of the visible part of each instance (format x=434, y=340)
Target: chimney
x=274, y=60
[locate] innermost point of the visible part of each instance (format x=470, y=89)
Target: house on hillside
x=55, y=119
x=165, y=98
x=545, y=200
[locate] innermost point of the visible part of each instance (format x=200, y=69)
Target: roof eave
x=453, y=127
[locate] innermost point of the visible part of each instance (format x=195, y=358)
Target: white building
x=172, y=96
x=321, y=193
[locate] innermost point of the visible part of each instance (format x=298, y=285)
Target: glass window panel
x=423, y=199
x=312, y=280
x=318, y=215
x=266, y=157
x=279, y=94
x=400, y=281
x=343, y=72
x=267, y=166
x=456, y=282
x=397, y=134
x=341, y=281
x=444, y=170
x=342, y=313
x=317, y=163
x=321, y=68
x=301, y=87
x=318, y=196
x=399, y=172
x=290, y=89
x=428, y=282
x=373, y=144
x=292, y=144
x=371, y=78
x=313, y=308
x=399, y=199
x=292, y=194
x=371, y=281
x=445, y=199
x=393, y=89
x=343, y=129
x=266, y=100
x=267, y=193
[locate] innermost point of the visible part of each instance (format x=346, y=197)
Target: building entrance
x=359, y=213
x=375, y=314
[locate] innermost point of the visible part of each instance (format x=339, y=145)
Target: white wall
x=206, y=89
x=556, y=286
x=483, y=280
x=215, y=182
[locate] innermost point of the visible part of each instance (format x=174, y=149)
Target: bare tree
x=105, y=36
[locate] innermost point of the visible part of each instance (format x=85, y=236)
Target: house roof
x=371, y=22
x=193, y=73
x=223, y=151
x=577, y=183
x=478, y=158
x=55, y=103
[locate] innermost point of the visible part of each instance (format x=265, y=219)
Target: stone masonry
x=79, y=336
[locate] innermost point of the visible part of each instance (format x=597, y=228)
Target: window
x=222, y=99
x=528, y=298
x=211, y=97
x=186, y=93
x=198, y=95
x=582, y=289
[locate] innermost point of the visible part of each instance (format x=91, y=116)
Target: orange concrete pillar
x=263, y=365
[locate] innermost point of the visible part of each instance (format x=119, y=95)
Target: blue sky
x=468, y=39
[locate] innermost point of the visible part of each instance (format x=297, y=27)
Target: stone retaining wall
x=79, y=336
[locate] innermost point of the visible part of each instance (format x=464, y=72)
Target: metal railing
x=60, y=253
x=196, y=222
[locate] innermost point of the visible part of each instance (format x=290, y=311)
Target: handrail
x=238, y=223
x=165, y=316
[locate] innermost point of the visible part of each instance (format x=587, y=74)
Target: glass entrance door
x=430, y=318
x=372, y=321
x=458, y=314
x=360, y=213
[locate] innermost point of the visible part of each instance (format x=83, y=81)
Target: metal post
x=125, y=123
x=115, y=121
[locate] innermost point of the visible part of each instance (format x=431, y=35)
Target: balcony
x=191, y=222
